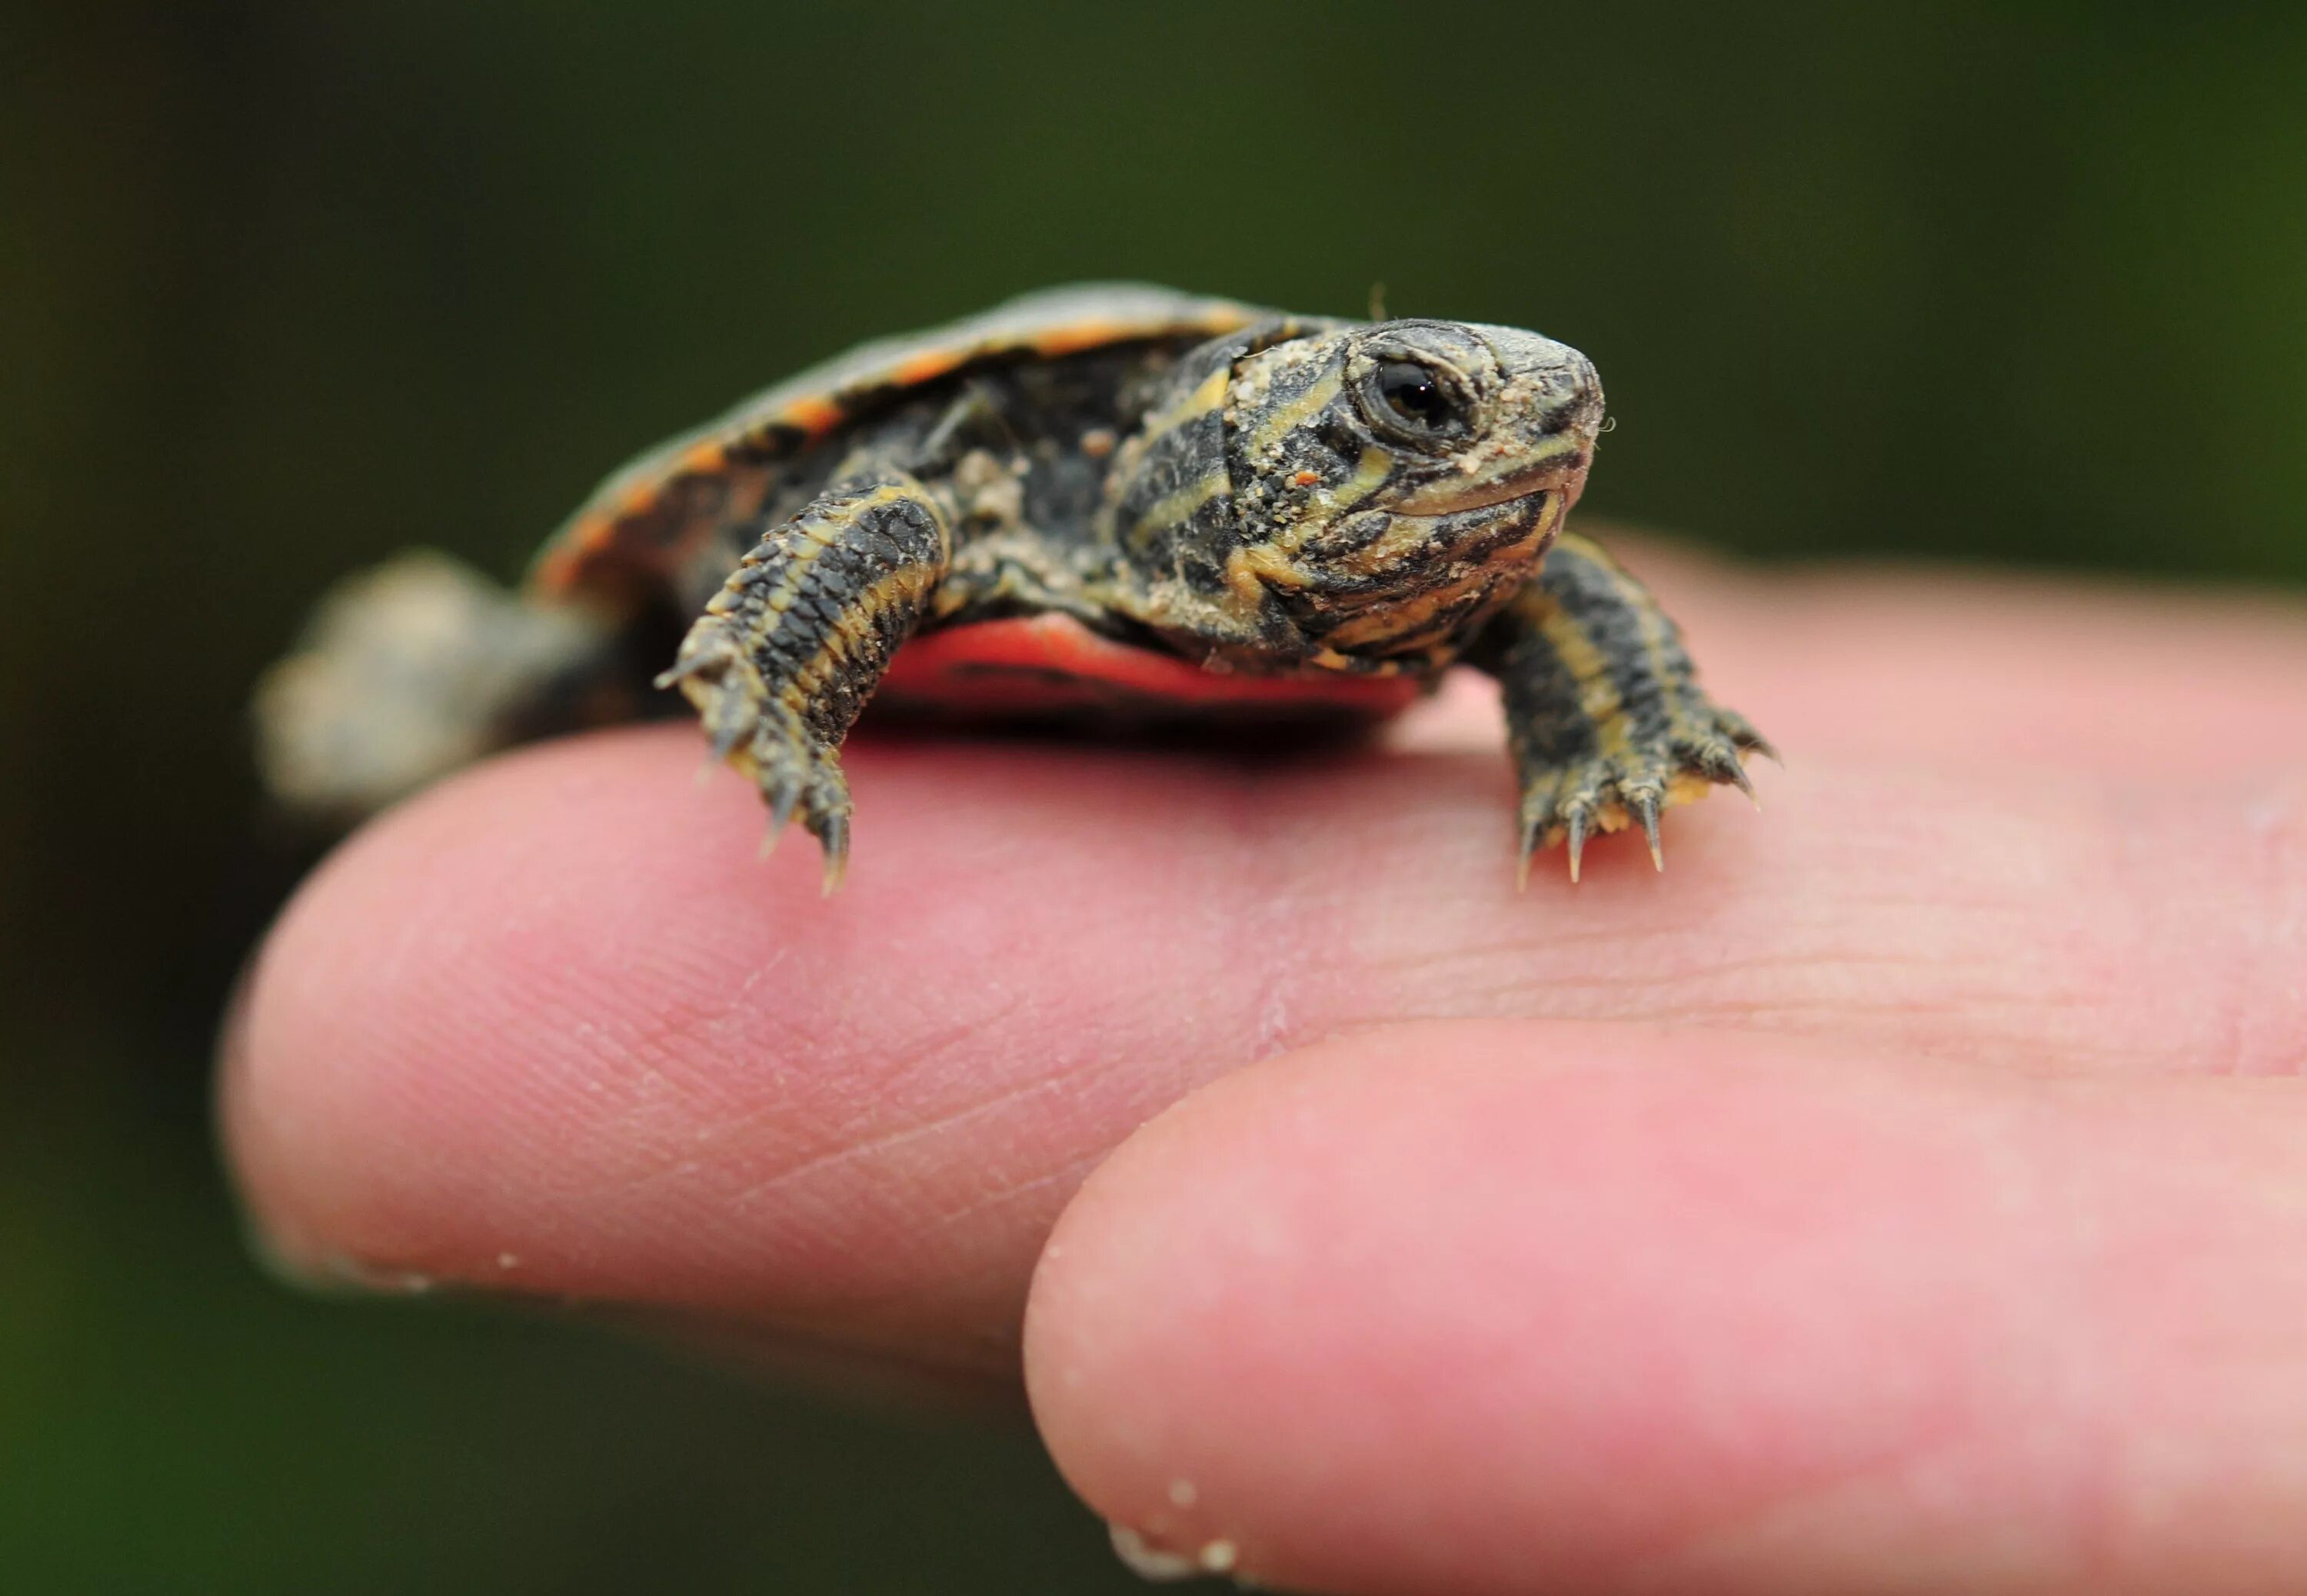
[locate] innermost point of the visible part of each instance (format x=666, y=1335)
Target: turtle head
x=1394, y=484
x=1348, y=495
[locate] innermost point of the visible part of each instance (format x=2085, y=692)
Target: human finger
x=549, y=1030
x=1514, y=1306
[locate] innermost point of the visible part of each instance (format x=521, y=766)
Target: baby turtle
x=1113, y=499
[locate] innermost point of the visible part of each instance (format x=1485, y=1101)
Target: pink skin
x=1869, y=1202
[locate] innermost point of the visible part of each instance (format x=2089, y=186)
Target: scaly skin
x=782, y=660
x=1604, y=717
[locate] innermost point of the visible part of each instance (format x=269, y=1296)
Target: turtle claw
x=836, y=840
x=1532, y=831
x=1743, y=737
x=1574, y=802
x=1576, y=838
x=726, y=738
x=1737, y=776
x=782, y=800
x=767, y=740
x=1644, y=803
x=798, y=779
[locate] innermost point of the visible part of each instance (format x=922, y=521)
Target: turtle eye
x=1413, y=400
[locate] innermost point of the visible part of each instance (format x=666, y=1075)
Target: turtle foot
x=1571, y=803
x=765, y=738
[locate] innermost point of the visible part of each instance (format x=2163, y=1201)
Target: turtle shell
x=627, y=543
x=641, y=526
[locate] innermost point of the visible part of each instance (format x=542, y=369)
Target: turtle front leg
x=1604, y=715
x=787, y=653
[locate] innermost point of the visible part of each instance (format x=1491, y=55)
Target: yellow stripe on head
x=1204, y=398
x=1167, y=514
x=1285, y=418
x=1274, y=559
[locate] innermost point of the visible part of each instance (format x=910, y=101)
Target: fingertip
x=550, y=1011
x=1493, y=1307
x=408, y=1050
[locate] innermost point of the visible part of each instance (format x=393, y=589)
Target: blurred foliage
x=284, y=286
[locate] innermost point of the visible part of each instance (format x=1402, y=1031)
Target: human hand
x=1907, y=1190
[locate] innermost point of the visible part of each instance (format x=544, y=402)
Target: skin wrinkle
x=1509, y=997
x=1627, y=972
x=1540, y=945
x=878, y=1147
x=749, y=1123
x=781, y=1189
x=925, y=1059
x=1678, y=993
x=1065, y=1177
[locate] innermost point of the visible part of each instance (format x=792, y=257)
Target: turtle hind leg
x=1605, y=718
x=417, y=668
x=786, y=655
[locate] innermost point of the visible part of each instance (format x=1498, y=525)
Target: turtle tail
x=418, y=667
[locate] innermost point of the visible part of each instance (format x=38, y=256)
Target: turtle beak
x=1561, y=467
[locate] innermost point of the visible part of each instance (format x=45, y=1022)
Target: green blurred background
x=286, y=285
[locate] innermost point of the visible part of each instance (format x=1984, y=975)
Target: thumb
x=1508, y=1306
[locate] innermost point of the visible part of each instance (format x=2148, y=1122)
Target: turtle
x=1113, y=501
